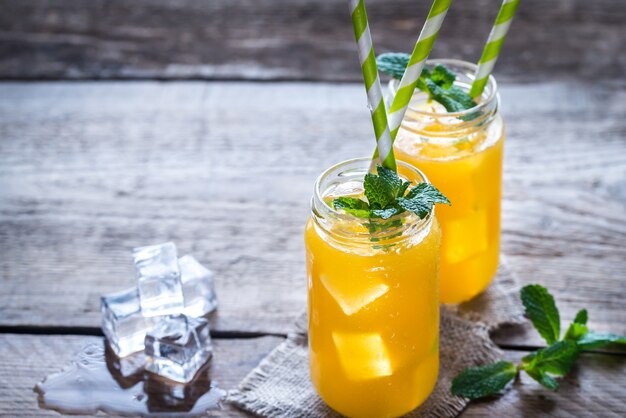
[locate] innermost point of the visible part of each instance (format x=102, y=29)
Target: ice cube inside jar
x=362, y=356
x=177, y=347
x=122, y=322
x=198, y=287
x=158, y=279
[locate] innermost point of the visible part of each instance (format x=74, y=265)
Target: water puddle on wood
x=96, y=380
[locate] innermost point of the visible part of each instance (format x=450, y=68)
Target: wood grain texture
x=90, y=170
x=594, y=388
x=293, y=39
x=27, y=359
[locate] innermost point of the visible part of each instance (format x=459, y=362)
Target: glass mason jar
x=373, y=300
x=461, y=153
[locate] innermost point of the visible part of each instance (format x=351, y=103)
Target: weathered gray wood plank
x=27, y=359
x=292, y=39
x=90, y=170
x=594, y=388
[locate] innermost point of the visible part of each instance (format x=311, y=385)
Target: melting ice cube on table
x=178, y=346
x=362, y=356
x=158, y=279
x=198, y=287
x=122, y=322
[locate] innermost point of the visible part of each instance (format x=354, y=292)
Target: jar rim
x=492, y=87
x=322, y=212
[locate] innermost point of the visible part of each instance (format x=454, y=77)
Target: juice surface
x=373, y=322
x=469, y=172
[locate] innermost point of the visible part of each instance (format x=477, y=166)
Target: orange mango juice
x=373, y=313
x=466, y=165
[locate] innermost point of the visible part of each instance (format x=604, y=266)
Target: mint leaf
x=542, y=311
x=556, y=359
x=578, y=328
x=421, y=198
x=350, y=203
x=379, y=193
x=403, y=188
x=581, y=317
x=478, y=382
x=443, y=76
x=543, y=379
x=353, y=206
x=385, y=194
x=438, y=83
x=575, y=331
x=453, y=99
x=374, y=227
x=599, y=339
x=393, y=63
x=394, y=182
x=386, y=213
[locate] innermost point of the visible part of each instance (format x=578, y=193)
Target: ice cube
x=177, y=347
x=198, y=287
x=158, y=279
x=465, y=237
x=362, y=356
x=122, y=322
x=351, y=296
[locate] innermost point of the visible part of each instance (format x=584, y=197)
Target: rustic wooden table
x=222, y=162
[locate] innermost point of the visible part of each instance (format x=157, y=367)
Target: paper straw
x=422, y=49
x=375, y=99
x=493, y=46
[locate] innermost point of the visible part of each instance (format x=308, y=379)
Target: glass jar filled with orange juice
x=461, y=153
x=373, y=301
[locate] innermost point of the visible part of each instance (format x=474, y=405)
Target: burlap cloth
x=280, y=385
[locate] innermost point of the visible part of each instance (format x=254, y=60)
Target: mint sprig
x=438, y=83
x=543, y=365
x=483, y=381
x=542, y=311
x=387, y=196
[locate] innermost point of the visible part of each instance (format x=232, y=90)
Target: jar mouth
x=468, y=69
x=392, y=230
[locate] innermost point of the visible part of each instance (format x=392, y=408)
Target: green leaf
x=581, y=317
x=393, y=63
x=350, y=203
x=421, y=81
x=378, y=192
x=461, y=96
x=421, y=198
x=353, y=206
x=542, y=311
x=478, y=382
x=544, y=379
x=386, y=213
x=453, y=99
x=578, y=328
x=556, y=359
x=391, y=178
x=599, y=339
x=403, y=189
x=443, y=76
x=575, y=331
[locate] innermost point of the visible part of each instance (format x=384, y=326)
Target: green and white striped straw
x=493, y=46
x=372, y=84
x=422, y=49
